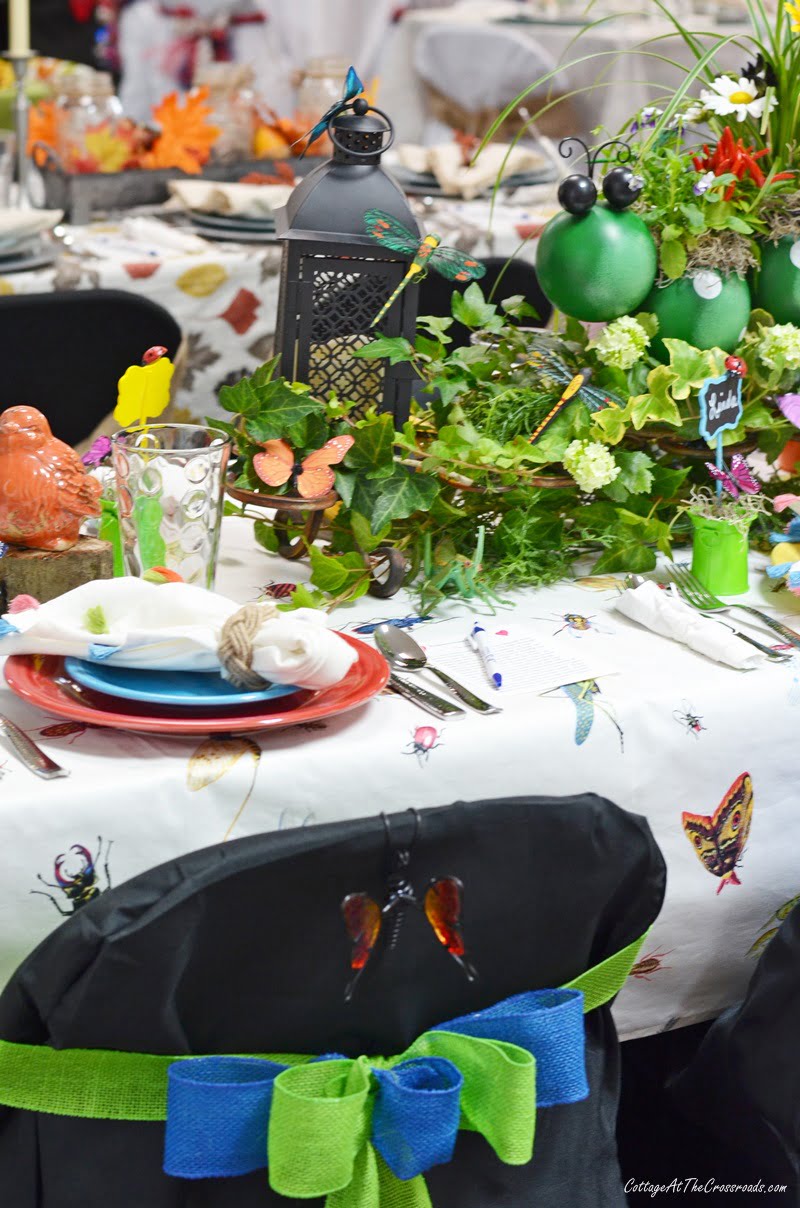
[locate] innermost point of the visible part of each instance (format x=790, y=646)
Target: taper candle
x=19, y=26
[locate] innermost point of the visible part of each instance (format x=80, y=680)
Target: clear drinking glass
x=170, y=489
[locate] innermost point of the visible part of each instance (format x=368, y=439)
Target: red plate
x=31, y=678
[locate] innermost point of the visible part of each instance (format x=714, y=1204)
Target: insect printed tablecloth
x=706, y=753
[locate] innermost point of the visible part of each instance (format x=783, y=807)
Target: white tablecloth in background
x=148, y=796
x=627, y=81
x=225, y=299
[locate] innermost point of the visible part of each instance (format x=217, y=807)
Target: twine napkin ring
x=236, y=645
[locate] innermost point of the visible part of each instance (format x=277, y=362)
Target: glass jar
x=233, y=102
x=321, y=84
x=86, y=105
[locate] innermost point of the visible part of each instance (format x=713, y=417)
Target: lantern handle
x=362, y=154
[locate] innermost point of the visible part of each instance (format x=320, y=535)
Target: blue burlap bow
x=320, y=1124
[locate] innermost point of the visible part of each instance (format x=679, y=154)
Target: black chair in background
x=504, y=279
x=241, y=948
x=64, y=353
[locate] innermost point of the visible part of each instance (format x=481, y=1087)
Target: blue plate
x=180, y=689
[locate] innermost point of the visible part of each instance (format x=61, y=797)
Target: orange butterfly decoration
x=312, y=476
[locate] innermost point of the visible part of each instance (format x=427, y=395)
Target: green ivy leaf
x=364, y=535
x=611, y=423
x=373, y=444
x=672, y=258
x=398, y=497
x=626, y=553
x=519, y=308
x=95, y=620
x=471, y=309
x=332, y=573
x=303, y=597
x=396, y=348
x=636, y=470
x=436, y=326
x=277, y=414
x=648, y=321
x=265, y=536
x=691, y=366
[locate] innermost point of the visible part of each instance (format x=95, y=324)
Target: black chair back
x=64, y=353
x=241, y=948
x=504, y=279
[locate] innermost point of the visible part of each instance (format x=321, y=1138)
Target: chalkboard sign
x=720, y=404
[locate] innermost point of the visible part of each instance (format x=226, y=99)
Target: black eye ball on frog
x=621, y=187
x=577, y=194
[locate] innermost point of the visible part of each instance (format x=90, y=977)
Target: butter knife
x=27, y=751
x=428, y=701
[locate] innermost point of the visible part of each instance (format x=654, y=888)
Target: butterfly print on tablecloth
x=719, y=840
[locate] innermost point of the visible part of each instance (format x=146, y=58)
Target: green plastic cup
x=719, y=556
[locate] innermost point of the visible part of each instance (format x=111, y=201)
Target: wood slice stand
x=44, y=574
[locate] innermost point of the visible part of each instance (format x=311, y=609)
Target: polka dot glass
x=170, y=490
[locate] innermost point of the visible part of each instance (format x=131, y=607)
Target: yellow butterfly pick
x=143, y=390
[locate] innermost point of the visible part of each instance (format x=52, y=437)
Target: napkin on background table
x=446, y=163
x=174, y=627
x=215, y=197
x=667, y=614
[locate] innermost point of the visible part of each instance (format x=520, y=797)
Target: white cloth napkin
x=667, y=614
x=213, y=197
x=136, y=239
x=174, y=627
x=445, y=162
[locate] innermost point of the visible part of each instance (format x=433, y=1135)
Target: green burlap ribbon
x=320, y=1119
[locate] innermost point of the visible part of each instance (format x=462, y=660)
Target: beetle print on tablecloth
x=77, y=877
x=423, y=740
x=719, y=839
x=692, y=722
x=647, y=965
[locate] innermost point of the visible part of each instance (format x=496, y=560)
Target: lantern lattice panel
x=332, y=302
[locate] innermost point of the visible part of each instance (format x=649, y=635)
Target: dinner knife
x=27, y=751
x=426, y=700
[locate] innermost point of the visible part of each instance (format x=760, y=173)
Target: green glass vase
x=719, y=556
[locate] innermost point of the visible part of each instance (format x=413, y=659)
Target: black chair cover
x=241, y=948
x=743, y=1084
x=64, y=353
x=504, y=279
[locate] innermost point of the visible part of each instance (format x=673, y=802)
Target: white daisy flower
x=738, y=97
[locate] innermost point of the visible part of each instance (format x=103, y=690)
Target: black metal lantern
x=335, y=278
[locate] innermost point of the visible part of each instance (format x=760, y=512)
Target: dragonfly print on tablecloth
x=719, y=839
x=584, y=696
x=772, y=927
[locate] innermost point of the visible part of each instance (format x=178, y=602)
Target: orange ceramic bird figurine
x=45, y=492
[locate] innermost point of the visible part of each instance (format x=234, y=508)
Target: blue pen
x=477, y=640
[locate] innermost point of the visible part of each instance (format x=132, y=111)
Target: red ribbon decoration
x=82, y=10
x=184, y=50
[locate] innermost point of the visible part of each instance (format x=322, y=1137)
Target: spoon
x=402, y=652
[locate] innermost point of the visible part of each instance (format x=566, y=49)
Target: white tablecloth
x=629, y=74
x=154, y=798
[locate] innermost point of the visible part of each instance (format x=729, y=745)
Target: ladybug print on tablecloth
x=423, y=740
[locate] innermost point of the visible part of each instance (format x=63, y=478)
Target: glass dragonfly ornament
x=447, y=261
x=576, y=385
x=442, y=903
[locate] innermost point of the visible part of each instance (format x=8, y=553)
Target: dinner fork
x=703, y=600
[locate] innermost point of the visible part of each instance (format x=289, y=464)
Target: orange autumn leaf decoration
x=186, y=136
x=41, y=129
